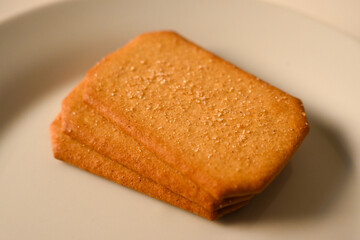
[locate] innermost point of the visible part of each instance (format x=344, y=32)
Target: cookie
x=226, y=130
x=83, y=124
x=72, y=152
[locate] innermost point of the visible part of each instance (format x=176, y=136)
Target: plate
x=46, y=52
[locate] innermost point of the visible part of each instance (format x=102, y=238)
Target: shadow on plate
x=308, y=186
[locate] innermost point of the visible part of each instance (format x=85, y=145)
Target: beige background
x=340, y=14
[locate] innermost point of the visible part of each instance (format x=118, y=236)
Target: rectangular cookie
x=223, y=128
x=72, y=152
x=83, y=124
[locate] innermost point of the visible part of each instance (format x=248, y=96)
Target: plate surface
x=46, y=52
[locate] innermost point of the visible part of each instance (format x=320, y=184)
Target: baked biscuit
x=72, y=152
x=223, y=128
x=83, y=124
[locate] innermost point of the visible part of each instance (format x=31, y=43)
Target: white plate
x=44, y=53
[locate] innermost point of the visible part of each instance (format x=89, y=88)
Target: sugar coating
x=225, y=129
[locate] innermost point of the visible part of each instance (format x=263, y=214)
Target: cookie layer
x=83, y=124
x=225, y=129
x=70, y=151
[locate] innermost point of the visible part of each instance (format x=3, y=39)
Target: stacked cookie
x=171, y=120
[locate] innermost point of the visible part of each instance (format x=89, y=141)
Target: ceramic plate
x=46, y=52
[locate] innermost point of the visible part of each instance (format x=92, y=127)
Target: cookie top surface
x=228, y=131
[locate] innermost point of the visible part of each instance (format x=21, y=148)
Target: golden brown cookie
x=225, y=129
x=83, y=124
x=70, y=151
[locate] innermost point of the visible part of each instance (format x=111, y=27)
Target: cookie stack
x=169, y=119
